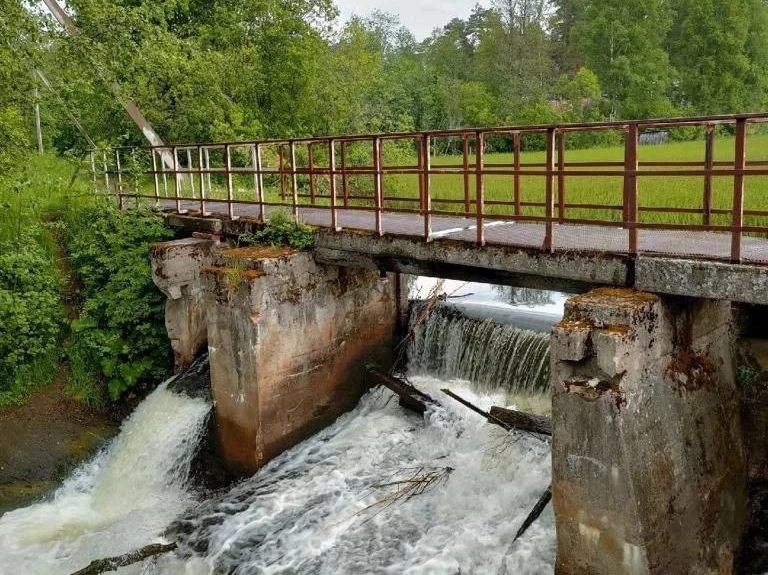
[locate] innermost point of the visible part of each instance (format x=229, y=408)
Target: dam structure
x=650, y=463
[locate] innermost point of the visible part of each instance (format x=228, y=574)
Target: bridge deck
x=567, y=237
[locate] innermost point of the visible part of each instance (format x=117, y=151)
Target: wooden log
x=507, y=418
x=535, y=512
x=410, y=397
x=99, y=566
x=524, y=421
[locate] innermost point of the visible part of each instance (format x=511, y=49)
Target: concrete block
x=703, y=279
x=288, y=342
x=648, y=463
x=176, y=267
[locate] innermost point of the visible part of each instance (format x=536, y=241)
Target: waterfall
x=120, y=501
x=325, y=506
x=450, y=345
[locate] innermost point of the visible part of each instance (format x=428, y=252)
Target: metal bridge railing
x=456, y=174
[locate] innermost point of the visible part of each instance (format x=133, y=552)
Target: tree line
x=208, y=70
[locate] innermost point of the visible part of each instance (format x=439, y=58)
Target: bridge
x=598, y=222
x=649, y=457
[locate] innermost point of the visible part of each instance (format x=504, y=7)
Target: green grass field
x=655, y=191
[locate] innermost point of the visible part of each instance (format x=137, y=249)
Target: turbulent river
x=331, y=504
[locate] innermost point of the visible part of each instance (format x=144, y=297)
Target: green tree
x=19, y=46
x=622, y=42
x=719, y=51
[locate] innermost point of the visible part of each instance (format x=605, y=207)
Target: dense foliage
x=30, y=316
x=119, y=340
x=227, y=69
x=281, y=230
x=75, y=287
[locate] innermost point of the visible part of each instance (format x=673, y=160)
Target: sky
x=419, y=16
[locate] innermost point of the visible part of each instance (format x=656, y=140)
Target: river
x=353, y=499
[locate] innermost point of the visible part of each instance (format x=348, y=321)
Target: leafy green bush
x=281, y=230
x=31, y=318
x=119, y=340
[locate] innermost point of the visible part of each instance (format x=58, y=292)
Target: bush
x=119, y=341
x=281, y=230
x=31, y=318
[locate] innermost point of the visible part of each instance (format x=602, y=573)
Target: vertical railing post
x=135, y=171
x=156, y=176
x=281, y=171
x=479, y=186
x=332, y=172
x=259, y=180
x=378, y=201
x=311, y=161
x=344, y=182
x=631, y=165
x=465, y=154
x=202, y=180
x=709, y=164
x=560, y=177
x=549, y=210
x=208, y=170
x=176, y=186
x=739, y=163
x=294, y=180
x=190, y=172
x=106, y=170
x=228, y=181
x=93, y=172
x=119, y=170
x=426, y=166
x=517, y=145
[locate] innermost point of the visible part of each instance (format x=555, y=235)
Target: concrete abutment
x=648, y=465
x=288, y=338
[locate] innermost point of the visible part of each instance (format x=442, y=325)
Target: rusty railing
x=449, y=174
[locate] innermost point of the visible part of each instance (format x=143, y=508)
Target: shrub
x=31, y=318
x=281, y=230
x=119, y=340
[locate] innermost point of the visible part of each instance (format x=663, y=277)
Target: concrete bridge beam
x=648, y=464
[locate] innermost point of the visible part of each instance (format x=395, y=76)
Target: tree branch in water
x=99, y=566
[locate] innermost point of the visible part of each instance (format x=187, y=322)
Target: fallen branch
x=535, y=512
x=114, y=563
x=507, y=418
x=421, y=479
x=410, y=397
x=525, y=421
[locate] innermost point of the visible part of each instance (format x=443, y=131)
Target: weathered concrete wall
x=648, y=464
x=176, y=267
x=288, y=342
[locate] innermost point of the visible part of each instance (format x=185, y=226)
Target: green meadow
x=401, y=191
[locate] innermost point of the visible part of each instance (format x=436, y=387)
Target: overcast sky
x=419, y=16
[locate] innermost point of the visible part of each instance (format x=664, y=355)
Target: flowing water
x=119, y=501
x=490, y=355
x=339, y=503
x=324, y=507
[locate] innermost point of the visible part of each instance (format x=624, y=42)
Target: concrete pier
x=176, y=267
x=289, y=340
x=648, y=463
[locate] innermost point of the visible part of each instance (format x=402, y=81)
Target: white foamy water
x=309, y=511
x=118, y=502
x=525, y=308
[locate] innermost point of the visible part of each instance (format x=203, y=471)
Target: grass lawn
x=653, y=190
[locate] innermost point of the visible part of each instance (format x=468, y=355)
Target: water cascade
x=450, y=345
x=119, y=501
x=332, y=505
